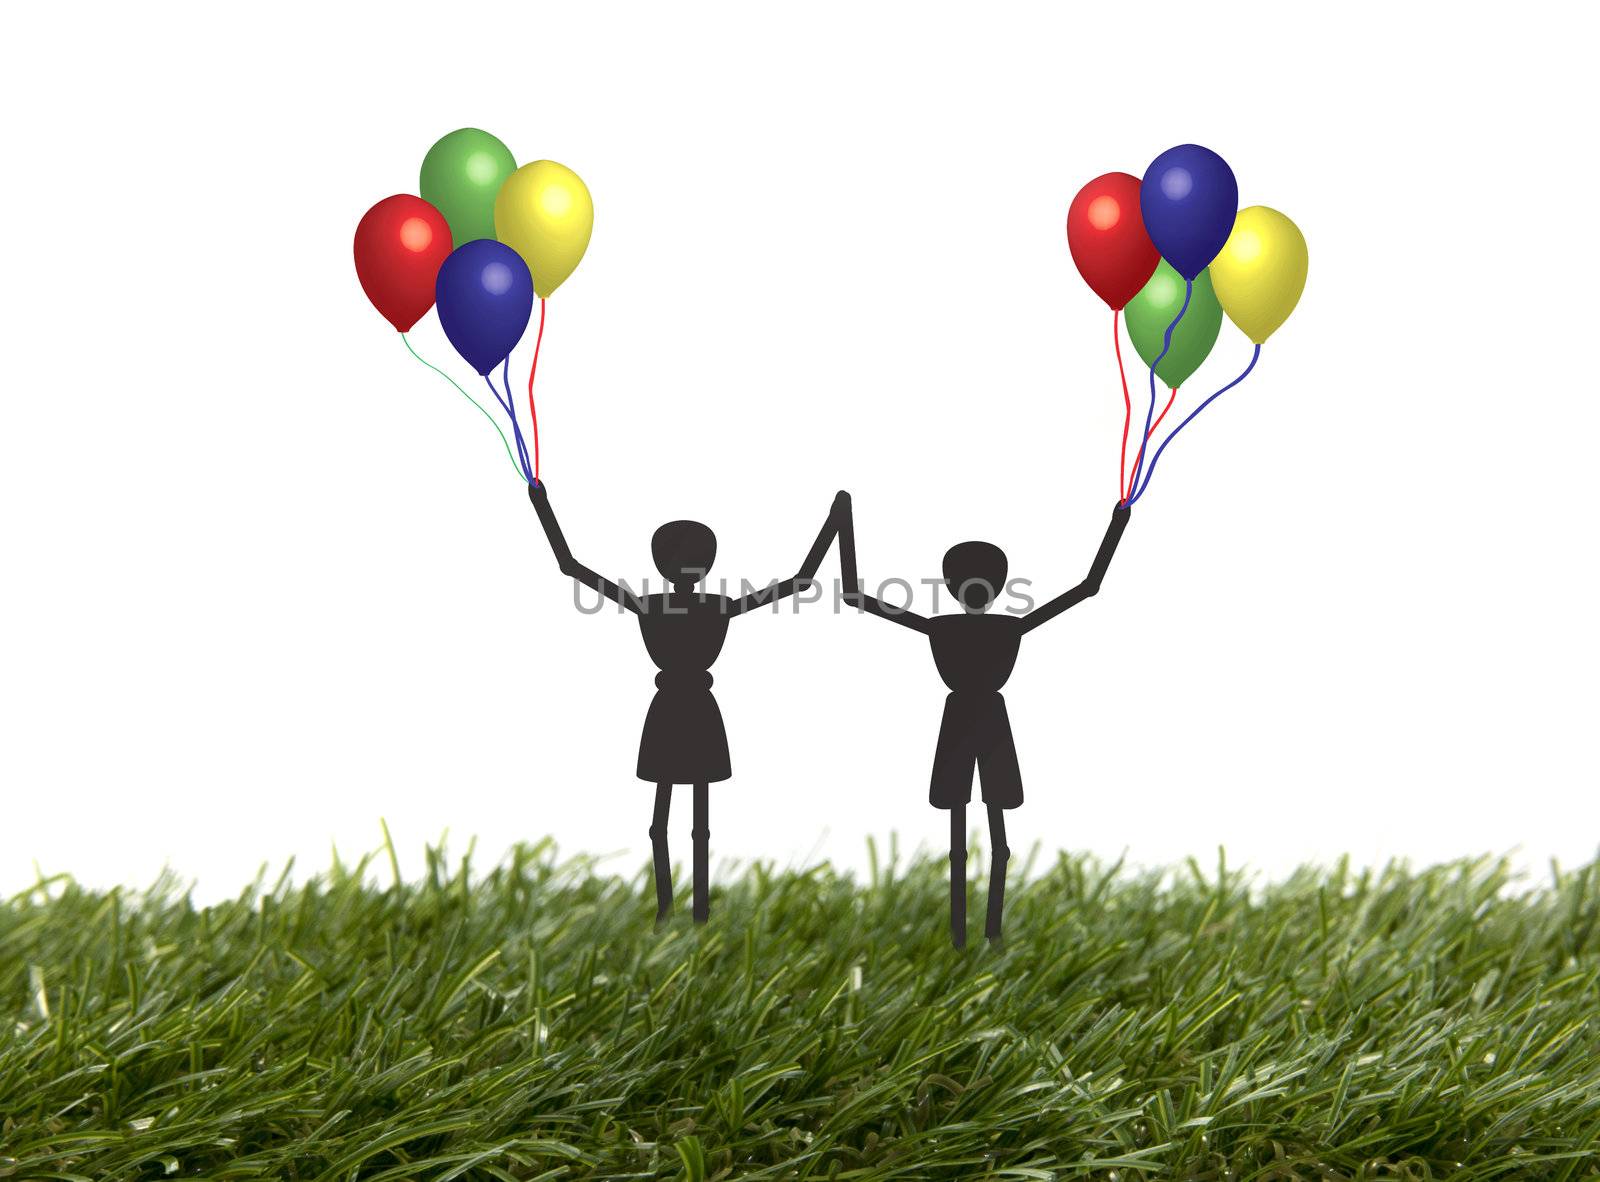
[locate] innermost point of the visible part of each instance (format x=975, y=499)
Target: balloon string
x=407, y=339
x=1170, y=399
x=1155, y=459
x=510, y=407
x=532, y=413
x=511, y=401
x=1166, y=344
x=505, y=405
x=1127, y=407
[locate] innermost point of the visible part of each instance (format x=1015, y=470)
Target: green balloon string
x=517, y=467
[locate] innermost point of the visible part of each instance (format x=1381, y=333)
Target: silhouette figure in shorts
x=974, y=653
x=684, y=741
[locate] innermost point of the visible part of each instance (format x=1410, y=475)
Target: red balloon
x=1106, y=233
x=400, y=243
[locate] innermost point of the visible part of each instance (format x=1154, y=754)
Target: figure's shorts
x=975, y=733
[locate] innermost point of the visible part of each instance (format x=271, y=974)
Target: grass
x=528, y=1022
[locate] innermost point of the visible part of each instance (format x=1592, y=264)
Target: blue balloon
x=1189, y=199
x=485, y=296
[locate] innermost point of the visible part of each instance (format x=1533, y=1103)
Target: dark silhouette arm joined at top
x=808, y=569
x=570, y=566
x=1091, y=584
x=853, y=594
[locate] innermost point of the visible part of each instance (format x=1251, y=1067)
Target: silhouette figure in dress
x=684, y=741
x=974, y=653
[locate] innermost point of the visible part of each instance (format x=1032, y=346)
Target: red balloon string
x=1170, y=399
x=1164, y=410
x=532, y=413
x=1127, y=406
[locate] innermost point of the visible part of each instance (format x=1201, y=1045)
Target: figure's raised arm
x=539, y=495
x=1091, y=584
x=853, y=594
x=808, y=568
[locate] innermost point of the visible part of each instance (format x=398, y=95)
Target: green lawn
x=527, y=1021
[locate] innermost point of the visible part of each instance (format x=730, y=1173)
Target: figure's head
x=975, y=572
x=684, y=551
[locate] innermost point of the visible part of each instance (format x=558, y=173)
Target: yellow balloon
x=1261, y=271
x=543, y=212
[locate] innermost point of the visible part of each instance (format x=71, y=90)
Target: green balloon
x=461, y=176
x=1149, y=313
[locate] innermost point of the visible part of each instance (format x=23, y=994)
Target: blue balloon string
x=1166, y=344
x=511, y=401
x=495, y=390
x=1254, y=357
x=522, y=450
x=509, y=406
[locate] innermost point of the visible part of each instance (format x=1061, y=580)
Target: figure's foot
x=997, y=895
x=662, y=857
x=663, y=903
x=958, y=936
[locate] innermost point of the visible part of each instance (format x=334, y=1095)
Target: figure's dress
x=684, y=740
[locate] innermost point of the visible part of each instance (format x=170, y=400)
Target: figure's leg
x=702, y=837
x=958, y=874
x=999, y=855
x=658, y=844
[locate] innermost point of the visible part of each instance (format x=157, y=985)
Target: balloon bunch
x=482, y=241
x=1174, y=251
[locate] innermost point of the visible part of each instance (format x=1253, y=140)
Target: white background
x=267, y=579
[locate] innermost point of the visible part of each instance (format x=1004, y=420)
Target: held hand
x=819, y=548
x=536, y=492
